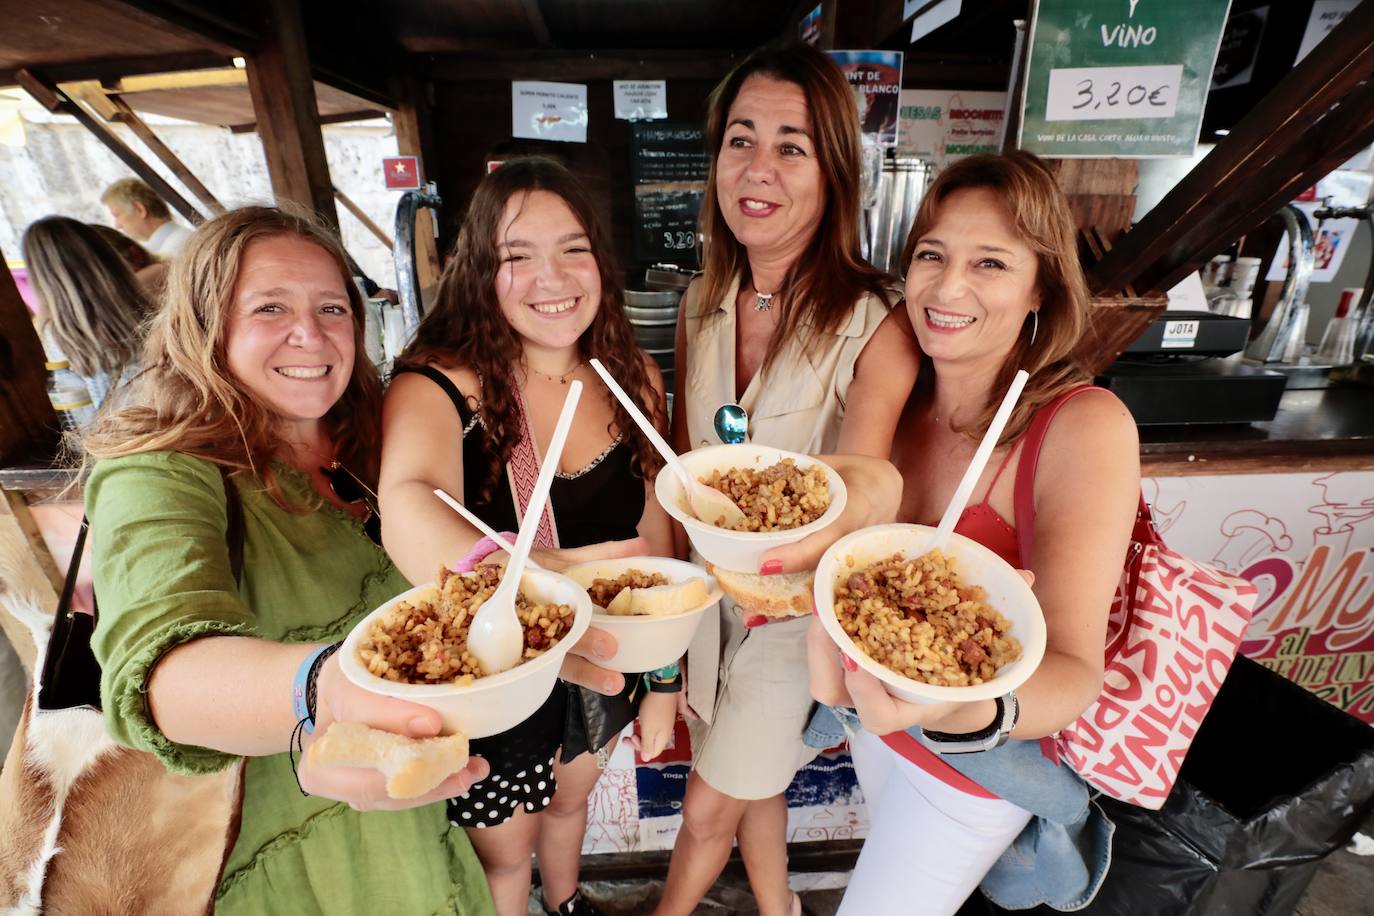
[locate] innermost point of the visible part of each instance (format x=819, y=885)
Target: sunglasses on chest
x=349, y=489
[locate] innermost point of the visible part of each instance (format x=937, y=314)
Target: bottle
x=68, y=395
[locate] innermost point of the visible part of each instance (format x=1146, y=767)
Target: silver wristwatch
x=995, y=735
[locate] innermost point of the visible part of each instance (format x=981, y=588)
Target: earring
x=1035, y=326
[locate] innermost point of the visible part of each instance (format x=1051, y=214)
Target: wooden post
x=413, y=138
x=28, y=426
x=288, y=117
x=30, y=582
x=126, y=115
x=55, y=99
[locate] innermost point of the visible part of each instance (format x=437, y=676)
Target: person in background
x=531, y=293
x=138, y=211
x=150, y=270
x=91, y=308
x=994, y=285
x=789, y=322
x=250, y=371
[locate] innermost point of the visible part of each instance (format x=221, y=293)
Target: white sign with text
x=1102, y=93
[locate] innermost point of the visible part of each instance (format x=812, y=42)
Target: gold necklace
x=560, y=379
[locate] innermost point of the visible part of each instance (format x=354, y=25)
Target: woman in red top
x=993, y=285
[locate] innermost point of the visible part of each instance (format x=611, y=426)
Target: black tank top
x=601, y=502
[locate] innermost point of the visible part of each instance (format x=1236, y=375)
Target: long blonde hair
x=822, y=286
x=93, y=305
x=1042, y=219
x=186, y=400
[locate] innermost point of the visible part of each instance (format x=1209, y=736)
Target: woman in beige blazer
x=789, y=322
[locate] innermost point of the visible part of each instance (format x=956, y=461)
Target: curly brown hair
x=186, y=400
x=465, y=328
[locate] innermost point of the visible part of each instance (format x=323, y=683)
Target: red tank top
x=983, y=524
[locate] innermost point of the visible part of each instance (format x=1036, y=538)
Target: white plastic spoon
x=496, y=637
x=480, y=525
x=707, y=503
x=979, y=463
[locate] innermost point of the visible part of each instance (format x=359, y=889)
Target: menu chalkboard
x=669, y=166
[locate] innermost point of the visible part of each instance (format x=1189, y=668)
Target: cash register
x=1186, y=368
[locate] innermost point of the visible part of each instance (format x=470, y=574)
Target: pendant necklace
x=763, y=301
x=560, y=379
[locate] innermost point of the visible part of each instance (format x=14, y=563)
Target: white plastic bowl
x=740, y=551
x=1006, y=591
x=646, y=643
x=489, y=704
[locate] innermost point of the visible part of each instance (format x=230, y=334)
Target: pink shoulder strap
x=1024, y=494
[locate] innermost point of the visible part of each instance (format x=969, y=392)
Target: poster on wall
x=640, y=100
x=809, y=29
x=548, y=111
x=1239, y=48
x=876, y=78
x=668, y=166
x=1119, y=78
x=1331, y=240
x=1307, y=543
x=1325, y=16
x=945, y=125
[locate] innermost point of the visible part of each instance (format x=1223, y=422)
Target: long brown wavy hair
x=466, y=329
x=94, y=306
x=822, y=286
x=1040, y=213
x=186, y=399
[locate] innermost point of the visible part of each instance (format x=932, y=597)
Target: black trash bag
x=1275, y=781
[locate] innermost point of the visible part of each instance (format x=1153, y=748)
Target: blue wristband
x=298, y=689
x=666, y=673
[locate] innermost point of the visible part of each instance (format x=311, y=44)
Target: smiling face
x=971, y=281
x=290, y=338
x=549, y=283
x=768, y=176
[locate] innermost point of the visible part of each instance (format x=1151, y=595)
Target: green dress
x=162, y=574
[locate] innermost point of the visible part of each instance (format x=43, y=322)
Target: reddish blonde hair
x=1041, y=217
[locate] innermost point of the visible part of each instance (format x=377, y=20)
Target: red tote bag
x=1175, y=627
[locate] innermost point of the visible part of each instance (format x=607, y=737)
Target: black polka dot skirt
x=521, y=761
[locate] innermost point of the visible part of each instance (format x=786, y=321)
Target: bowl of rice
x=959, y=624
x=644, y=641
x=413, y=648
x=785, y=497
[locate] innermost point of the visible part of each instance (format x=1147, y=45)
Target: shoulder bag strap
x=523, y=471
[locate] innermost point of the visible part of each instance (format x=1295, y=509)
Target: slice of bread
x=783, y=595
x=660, y=600
x=412, y=766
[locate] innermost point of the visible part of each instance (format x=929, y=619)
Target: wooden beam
x=54, y=98
x=288, y=118
x=29, y=580
x=195, y=79
x=127, y=116
x=217, y=31
x=538, y=25
x=343, y=117
x=363, y=218
x=1264, y=155
x=414, y=137
x=580, y=66
x=28, y=425
x=125, y=66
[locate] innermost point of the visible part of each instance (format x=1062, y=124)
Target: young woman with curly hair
x=531, y=293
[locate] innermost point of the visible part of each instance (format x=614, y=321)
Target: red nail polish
x=849, y=664
x=814, y=609
x=771, y=568
x=757, y=620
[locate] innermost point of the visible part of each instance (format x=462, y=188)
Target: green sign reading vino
x=1119, y=78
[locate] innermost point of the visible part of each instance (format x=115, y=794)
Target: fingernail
x=609, y=686
x=848, y=663
x=757, y=620
x=602, y=651
x=814, y=609
x=421, y=726
x=771, y=568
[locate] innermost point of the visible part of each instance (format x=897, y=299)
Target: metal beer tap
x=1281, y=340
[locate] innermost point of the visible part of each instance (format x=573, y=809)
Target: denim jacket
x=1061, y=857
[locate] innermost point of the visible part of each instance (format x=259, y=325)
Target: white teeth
x=554, y=308
x=756, y=205
x=941, y=320
x=304, y=371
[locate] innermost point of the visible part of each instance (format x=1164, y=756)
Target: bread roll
x=783, y=595
x=412, y=766
x=659, y=600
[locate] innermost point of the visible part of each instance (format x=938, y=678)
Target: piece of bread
x=782, y=595
x=412, y=766
x=659, y=600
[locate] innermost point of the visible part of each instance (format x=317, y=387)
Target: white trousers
x=929, y=844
